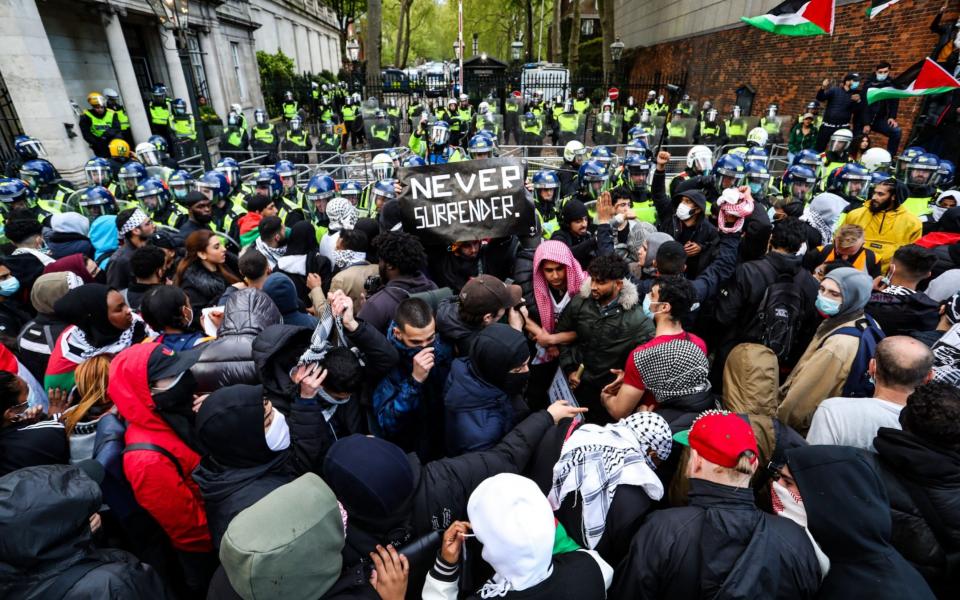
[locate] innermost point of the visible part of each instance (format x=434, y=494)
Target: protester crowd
x=723, y=384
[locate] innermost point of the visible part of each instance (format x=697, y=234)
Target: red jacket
x=173, y=501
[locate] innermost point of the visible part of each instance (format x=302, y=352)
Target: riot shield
x=680, y=131
x=368, y=108
x=160, y=172
x=380, y=132
x=606, y=129
x=489, y=122
x=572, y=126
x=777, y=128
x=737, y=129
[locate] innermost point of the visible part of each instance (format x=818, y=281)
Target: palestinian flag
x=878, y=5
x=797, y=18
x=925, y=78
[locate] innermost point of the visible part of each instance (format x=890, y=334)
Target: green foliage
x=277, y=75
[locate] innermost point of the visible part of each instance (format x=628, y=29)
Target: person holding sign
x=609, y=321
x=670, y=373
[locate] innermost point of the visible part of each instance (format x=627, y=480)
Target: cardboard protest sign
x=467, y=200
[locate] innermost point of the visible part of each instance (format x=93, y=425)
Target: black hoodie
x=923, y=484
x=45, y=530
x=849, y=517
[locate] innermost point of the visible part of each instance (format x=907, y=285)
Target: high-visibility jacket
x=771, y=126
x=300, y=140
x=235, y=137
x=707, y=130
x=736, y=128
x=569, y=122
x=160, y=113
x=381, y=132
x=183, y=127
x=581, y=106
x=676, y=129
x=123, y=119
x=349, y=114
x=393, y=112
x=290, y=110
x=655, y=107
x=265, y=134
x=918, y=205
x=100, y=125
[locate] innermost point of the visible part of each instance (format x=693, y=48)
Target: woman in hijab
x=557, y=277
x=100, y=323
x=483, y=396
x=824, y=367
x=78, y=264
x=343, y=215
x=37, y=339
x=302, y=258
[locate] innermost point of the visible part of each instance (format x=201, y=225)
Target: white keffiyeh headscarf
x=596, y=459
x=342, y=214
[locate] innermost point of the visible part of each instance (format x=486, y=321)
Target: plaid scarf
x=596, y=459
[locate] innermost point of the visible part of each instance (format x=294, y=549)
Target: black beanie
x=370, y=476
x=257, y=203
x=497, y=349
x=573, y=210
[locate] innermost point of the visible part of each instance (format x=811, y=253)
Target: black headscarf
x=302, y=239
x=230, y=427
x=86, y=307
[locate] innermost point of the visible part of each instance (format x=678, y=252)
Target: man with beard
x=135, y=229
x=200, y=214
x=887, y=225
x=609, y=323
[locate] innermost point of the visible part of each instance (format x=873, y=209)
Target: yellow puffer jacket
x=886, y=231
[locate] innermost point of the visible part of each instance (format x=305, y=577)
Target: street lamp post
x=616, y=53
x=353, y=55
x=174, y=16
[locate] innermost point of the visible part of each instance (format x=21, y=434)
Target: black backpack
x=779, y=313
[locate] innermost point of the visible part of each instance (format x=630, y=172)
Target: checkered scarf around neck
x=320, y=341
x=78, y=339
x=673, y=369
x=596, y=459
x=557, y=252
x=137, y=219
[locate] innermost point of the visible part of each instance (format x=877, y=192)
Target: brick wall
x=788, y=70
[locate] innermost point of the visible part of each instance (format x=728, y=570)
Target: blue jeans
x=892, y=134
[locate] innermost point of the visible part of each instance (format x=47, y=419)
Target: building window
x=586, y=27
x=196, y=63
x=235, y=53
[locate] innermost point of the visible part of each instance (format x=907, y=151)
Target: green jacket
x=603, y=341
x=798, y=141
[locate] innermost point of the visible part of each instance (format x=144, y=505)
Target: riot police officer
x=99, y=125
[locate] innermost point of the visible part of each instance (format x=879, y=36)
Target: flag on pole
x=879, y=5
x=925, y=78
x=797, y=18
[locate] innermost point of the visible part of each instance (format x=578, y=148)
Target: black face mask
x=179, y=398
x=202, y=218
x=514, y=383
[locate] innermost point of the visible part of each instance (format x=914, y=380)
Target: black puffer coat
x=203, y=287
x=45, y=532
x=229, y=359
x=923, y=486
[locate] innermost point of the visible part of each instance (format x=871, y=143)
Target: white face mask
x=684, y=212
x=882, y=76
x=792, y=507
x=937, y=212
x=278, y=434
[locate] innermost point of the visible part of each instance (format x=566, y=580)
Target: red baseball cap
x=720, y=437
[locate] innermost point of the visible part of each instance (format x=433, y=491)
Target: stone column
x=177, y=86
x=33, y=78
x=126, y=78
x=211, y=66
